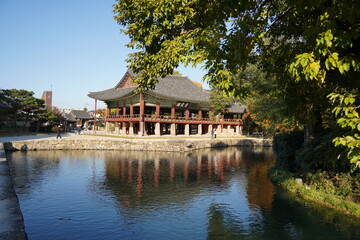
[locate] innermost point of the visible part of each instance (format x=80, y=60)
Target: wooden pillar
x=124, y=109
x=157, y=115
x=199, y=114
x=95, y=115
x=117, y=110
x=108, y=111
x=173, y=111
x=187, y=113
x=131, y=109
x=141, y=119
x=211, y=114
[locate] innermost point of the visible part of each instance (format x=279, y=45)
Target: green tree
x=310, y=48
x=46, y=117
x=269, y=106
x=348, y=115
x=21, y=103
x=219, y=102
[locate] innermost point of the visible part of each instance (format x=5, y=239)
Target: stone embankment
x=11, y=219
x=107, y=143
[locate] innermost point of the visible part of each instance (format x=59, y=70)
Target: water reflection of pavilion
x=182, y=176
x=212, y=194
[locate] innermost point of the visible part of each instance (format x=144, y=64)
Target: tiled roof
x=175, y=87
x=76, y=114
x=181, y=88
x=69, y=117
x=112, y=93
x=237, y=108
x=81, y=114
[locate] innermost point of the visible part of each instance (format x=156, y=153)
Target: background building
x=47, y=97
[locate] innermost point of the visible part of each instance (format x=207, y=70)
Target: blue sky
x=70, y=46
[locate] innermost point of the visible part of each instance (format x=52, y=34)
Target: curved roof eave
x=237, y=108
x=111, y=94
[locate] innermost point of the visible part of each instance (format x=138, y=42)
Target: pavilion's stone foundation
x=171, y=145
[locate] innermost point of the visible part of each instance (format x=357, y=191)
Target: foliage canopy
x=307, y=38
x=21, y=102
x=306, y=49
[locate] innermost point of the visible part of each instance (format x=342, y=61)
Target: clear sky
x=71, y=47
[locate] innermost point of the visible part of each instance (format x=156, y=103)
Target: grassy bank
x=340, y=192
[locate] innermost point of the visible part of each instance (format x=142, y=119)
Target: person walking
x=58, y=131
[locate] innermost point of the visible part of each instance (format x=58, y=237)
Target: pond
x=208, y=194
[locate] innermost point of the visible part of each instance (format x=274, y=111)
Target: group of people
x=213, y=133
x=77, y=130
x=58, y=131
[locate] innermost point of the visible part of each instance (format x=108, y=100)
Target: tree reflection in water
x=212, y=193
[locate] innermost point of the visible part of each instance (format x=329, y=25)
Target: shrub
x=285, y=146
x=344, y=185
x=321, y=181
x=322, y=154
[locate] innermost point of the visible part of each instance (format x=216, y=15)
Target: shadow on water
x=213, y=193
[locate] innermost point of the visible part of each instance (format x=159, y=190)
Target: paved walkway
x=29, y=137
x=101, y=136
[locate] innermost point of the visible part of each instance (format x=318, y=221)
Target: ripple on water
x=208, y=194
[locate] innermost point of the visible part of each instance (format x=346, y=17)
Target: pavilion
x=176, y=106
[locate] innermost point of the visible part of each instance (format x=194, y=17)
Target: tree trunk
x=26, y=121
x=37, y=126
x=313, y=129
x=15, y=121
x=309, y=133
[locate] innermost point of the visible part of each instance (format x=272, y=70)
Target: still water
x=207, y=194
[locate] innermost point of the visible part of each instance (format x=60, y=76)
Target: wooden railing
x=166, y=118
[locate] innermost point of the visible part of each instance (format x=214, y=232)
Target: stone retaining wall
x=171, y=145
x=11, y=218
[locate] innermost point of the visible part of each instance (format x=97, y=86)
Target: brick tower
x=47, y=97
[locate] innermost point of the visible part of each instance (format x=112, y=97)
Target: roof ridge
x=128, y=72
